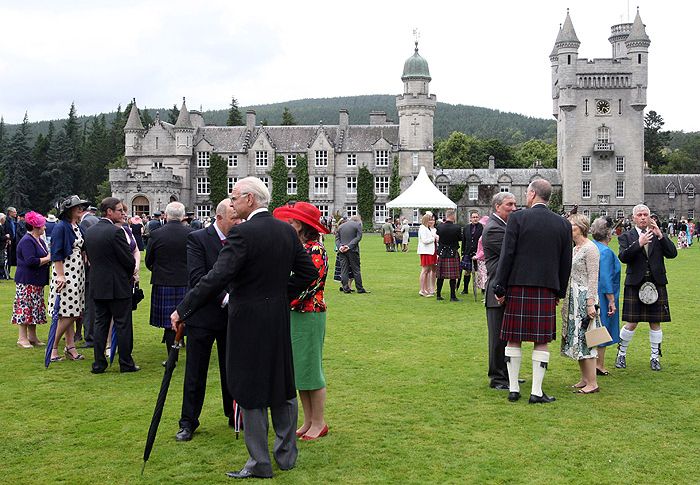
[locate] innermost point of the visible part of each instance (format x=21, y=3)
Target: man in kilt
x=533, y=274
x=449, y=236
x=643, y=249
x=166, y=257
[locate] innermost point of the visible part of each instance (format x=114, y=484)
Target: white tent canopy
x=422, y=194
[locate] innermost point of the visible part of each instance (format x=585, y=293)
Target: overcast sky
x=487, y=53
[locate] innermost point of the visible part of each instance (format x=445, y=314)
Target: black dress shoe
x=500, y=387
x=98, y=370
x=135, y=368
x=543, y=399
x=363, y=291
x=655, y=364
x=439, y=298
x=454, y=298
x=346, y=290
x=244, y=473
x=185, y=434
x=513, y=396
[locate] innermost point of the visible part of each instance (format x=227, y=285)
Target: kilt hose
x=448, y=268
x=164, y=301
x=634, y=311
x=530, y=315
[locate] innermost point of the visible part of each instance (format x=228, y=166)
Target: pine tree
x=95, y=157
x=278, y=174
x=218, y=178
x=173, y=113
x=288, y=118
x=61, y=167
x=365, y=196
x=17, y=162
x=234, y=114
x=116, y=133
x=146, y=118
x=39, y=196
x=301, y=171
x=72, y=128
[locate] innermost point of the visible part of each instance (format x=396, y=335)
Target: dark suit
x=166, y=254
x=112, y=269
x=638, y=261
x=206, y=325
x=350, y=234
x=256, y=265
x=470, y=241
x=11, y=231
x=89, y=316
x=492, y=241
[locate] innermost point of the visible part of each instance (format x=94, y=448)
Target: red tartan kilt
x=448, y=268
x=388, y=239
x=530, y=315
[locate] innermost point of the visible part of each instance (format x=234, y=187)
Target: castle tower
x=416, y=109
x=599, y=106
x=133, y=131
x=184, y=133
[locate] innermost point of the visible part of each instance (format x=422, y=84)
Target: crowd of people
x=253, y=282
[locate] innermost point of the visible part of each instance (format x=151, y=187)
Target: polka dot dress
x=73, y=294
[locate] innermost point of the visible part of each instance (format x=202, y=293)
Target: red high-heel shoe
x=323, y=433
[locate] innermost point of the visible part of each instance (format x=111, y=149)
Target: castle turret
x=567, y=45
x=637, y=44
x=554, y=60
x=184, y=132
x=133, y=131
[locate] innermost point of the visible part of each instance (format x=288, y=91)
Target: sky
x=494, y=54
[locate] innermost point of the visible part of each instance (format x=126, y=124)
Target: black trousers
x=89, y=315
x=199, y=345
x=120, y=311
x=350, y=262
x=498, y=371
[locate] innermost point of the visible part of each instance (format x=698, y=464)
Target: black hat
x=68, y=203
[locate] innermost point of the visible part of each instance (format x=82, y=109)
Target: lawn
x=408, y=401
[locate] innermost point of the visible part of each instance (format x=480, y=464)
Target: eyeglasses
x=234, y=198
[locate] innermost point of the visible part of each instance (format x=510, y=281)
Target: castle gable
x=362, y=138
x=223, y=139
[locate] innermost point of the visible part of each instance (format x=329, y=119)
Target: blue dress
x=609, y=282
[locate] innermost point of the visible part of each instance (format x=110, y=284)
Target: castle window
x=381, y=185
x=691, y=213
x=203, y=159
x=232, y=161
x=352, y=185
x=639, y=58
x=352, y=159
x=603, y=134
x=504, y=188
x=203, y=210
x=586, y=189
x=203, y=187
x=291, y=186
x=156, y=143
x=620, y=214
x=568, y=59
x=158, y=163
x=415, y=160
x=691, y=191
x=619, y=106
x=619, y=164
x=350, y=210
x=442, y=188
x=380, y=213
x=231, y=182
x=261, y=158
x=320, y=185
x=321, y=159
x=620, y=189
x=586, y=107
x=323, y=208
x=291, y=160
x=585, y=164
x=381, y=158
x=586, y=213
x=416, y=216
x=671, y=192
x=266, y=181
x=603, y=212
x=473, y=192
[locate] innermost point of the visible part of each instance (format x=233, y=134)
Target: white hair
x=175, y=211
x=638, y=208
x=255, y=186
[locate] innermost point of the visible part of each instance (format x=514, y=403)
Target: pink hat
x=136, y=220
x=35, y=219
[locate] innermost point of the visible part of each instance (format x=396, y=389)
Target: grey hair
x=500, y=197
x=10, y=209
x=222, y=206
x=450, y=213
x=255, y=186
x=637, y=208
x=175, y=211
x=3, y=217
x=600, y=230
x=542, y=189
x=356, y=218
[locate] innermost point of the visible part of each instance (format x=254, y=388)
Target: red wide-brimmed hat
x=301, y=211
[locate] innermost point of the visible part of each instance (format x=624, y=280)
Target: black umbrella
x=474, y=263
x=160, y=403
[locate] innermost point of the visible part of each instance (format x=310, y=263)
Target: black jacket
x=537, y=250
x=203, y=248
x=111, y=262
x=166, y=254
x=637, y=260
x=492, y=242
x=470, y=243
x=450, y=237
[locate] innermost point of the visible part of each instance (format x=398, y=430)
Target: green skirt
x=308, y=331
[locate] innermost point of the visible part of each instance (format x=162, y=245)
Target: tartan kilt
x=530, y=315
x=634, y=311
x=164, y=301
x=448, y=268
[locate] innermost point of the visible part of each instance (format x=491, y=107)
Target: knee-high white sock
x=655, y=337
x=540, y=359
x=514, y=355
x=625, y=339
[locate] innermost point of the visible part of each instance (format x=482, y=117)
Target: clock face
x=602, y=106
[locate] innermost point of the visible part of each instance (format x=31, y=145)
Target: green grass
x=408, y=401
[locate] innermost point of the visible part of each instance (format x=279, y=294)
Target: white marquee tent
x=422, y=194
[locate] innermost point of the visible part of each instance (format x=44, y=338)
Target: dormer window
x=671, y=190
x=690, y=190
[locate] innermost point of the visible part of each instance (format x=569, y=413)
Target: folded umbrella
x=114, y=344
x=52, y=331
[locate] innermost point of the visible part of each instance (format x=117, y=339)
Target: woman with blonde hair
x=427, y=237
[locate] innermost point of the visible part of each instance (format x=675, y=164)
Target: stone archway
x=140, y=205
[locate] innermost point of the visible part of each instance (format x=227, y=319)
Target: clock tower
x=599, y=107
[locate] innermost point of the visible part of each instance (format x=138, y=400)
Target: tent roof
x=422, y=194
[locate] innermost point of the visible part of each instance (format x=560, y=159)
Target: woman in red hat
x=308, y=320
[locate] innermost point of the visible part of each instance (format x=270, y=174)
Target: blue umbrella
x=113, y=347
x=52, y=331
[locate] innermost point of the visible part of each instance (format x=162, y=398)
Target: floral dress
x=311, y=299
x=582, y=284
x=72, y=298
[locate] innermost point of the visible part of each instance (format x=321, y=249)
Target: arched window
x=140, y=205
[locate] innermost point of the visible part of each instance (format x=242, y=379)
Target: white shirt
x=256, y=211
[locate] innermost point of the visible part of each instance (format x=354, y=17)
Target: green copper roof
x=415, y=67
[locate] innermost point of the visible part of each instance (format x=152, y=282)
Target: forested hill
x=510, y=128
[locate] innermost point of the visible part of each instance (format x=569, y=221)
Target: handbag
x=136, y=296
x=597, y=336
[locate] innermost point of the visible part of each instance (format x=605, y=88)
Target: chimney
x=377, y=118
x=250, y=119
x=492, y=163
x=344, y=119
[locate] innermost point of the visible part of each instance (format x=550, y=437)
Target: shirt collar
x=256, y=211
x=499, y=218
x=222, y=236
x=538, y=203
x=108, y=220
